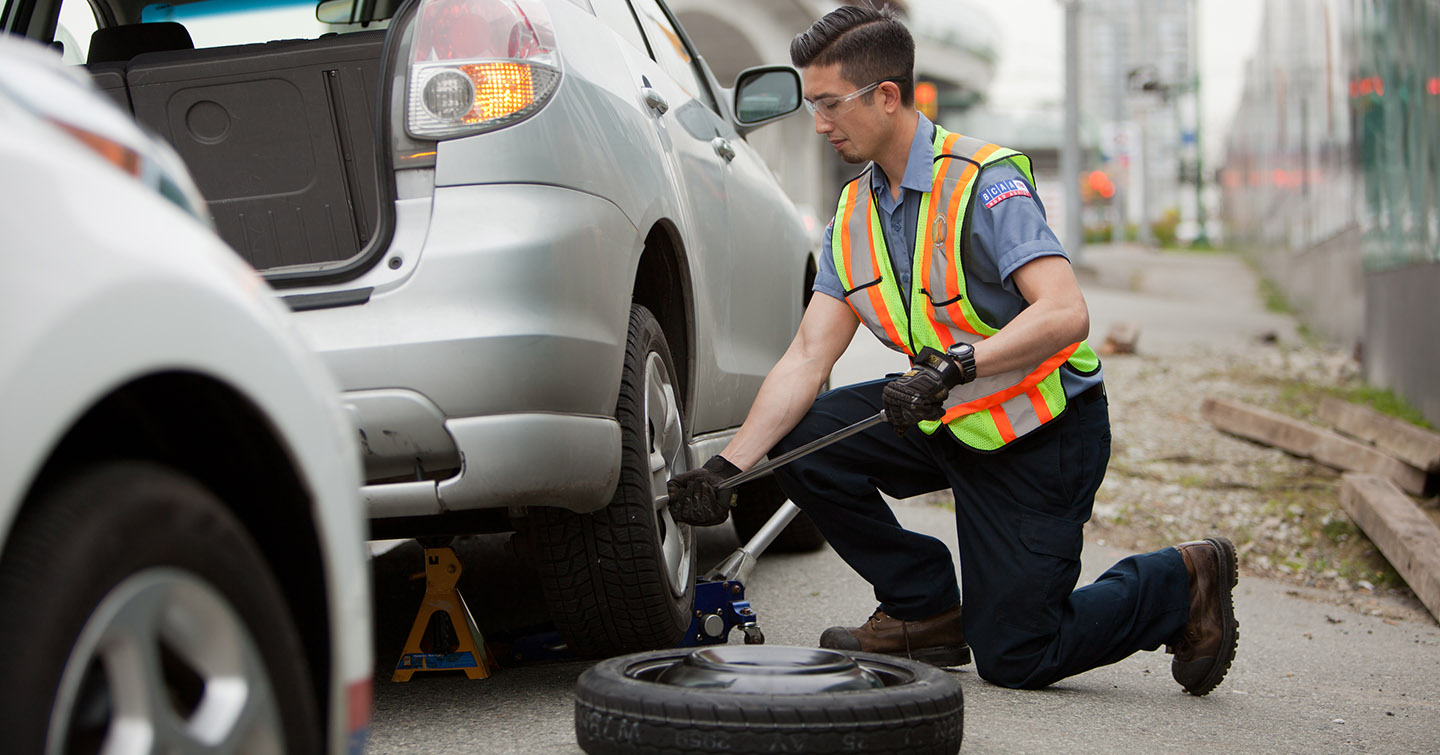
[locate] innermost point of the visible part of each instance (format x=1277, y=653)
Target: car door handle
x=723, y=148
x=654, y=100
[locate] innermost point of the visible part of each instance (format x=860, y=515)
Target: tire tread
x=618, y=714
x=609, y=595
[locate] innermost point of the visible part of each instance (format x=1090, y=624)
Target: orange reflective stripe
x=957, y=312
x=1000, y=397
x=877, y=297
x=934, y=207
x=928, y=242
x=1002, y=424
x=1042, y=409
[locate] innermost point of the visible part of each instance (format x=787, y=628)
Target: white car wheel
x=143, y=618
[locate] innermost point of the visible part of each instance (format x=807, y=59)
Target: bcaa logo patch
x=1003, y=190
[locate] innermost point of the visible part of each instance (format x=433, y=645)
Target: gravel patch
x=1173, y=477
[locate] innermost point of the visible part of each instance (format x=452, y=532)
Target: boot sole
x=949, y=655
x=1231, y=637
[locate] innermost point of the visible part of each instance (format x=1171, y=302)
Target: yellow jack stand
x=442, y=572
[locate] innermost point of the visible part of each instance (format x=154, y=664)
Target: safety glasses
x=830, y=108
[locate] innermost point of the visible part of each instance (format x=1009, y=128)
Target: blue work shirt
x=1004, y=235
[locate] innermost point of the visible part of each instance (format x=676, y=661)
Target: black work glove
x=694, y=495
x=918, y=395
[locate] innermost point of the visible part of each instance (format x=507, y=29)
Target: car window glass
x=77, y=23
x=617, y=15
x=670, y=51
x=217, y=23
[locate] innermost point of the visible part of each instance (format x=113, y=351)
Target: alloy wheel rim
x=665, y=444
x=768, y=669
x=165, y=664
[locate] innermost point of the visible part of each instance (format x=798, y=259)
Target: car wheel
x=757, y=501
x=622, y=579
x=139, y=616
x=759, y=698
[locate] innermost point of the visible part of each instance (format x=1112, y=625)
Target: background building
x=1332, y=173
x=1137, y=85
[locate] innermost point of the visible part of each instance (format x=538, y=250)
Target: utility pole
x=1149, y=72
x=1119, y=29
x=1201, y=238
x=1070, y=151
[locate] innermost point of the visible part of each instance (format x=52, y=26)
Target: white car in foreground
x=181, y=540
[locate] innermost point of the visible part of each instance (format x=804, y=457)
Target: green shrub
x=1163, y=230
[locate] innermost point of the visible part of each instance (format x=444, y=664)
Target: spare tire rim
x=769, y=669
x=665, y=446
x=165, y=664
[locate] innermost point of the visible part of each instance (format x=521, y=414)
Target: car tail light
x=478, y=65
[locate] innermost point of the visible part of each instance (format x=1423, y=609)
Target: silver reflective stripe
x=945, y=242
x=863, y=271
x=984, y=386
x=1022, y=414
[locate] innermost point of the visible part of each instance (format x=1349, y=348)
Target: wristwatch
x=964, y=356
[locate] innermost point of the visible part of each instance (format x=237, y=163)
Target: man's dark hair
x=870, y=44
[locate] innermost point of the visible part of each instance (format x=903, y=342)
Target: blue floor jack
x=720, y=603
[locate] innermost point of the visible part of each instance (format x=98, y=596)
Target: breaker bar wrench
x=738, y=565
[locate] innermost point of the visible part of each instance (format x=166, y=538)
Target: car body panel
x=587, y=138
x=510, y=260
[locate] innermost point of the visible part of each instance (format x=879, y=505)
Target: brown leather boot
x=1204, y=651
x=938, y=640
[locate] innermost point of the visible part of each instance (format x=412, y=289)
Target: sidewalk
x=1181, y=301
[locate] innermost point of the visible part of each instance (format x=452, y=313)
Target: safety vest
x=990, y=411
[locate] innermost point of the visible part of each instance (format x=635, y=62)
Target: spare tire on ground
x=764, y=699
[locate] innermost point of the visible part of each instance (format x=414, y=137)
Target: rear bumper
x=511, y=461
x=486, y=363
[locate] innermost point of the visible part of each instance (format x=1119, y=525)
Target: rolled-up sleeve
x=1008, y=226
x=827, y=281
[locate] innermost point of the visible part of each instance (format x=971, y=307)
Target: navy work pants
x=1019, y=515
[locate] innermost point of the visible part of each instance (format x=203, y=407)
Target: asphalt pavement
x=1309, y=676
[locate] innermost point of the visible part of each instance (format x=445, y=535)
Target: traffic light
x=926, y=99
x=1100, y=184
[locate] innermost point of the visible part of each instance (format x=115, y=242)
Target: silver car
x=529, y=238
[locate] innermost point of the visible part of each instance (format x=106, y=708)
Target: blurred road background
x=1305, y=134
